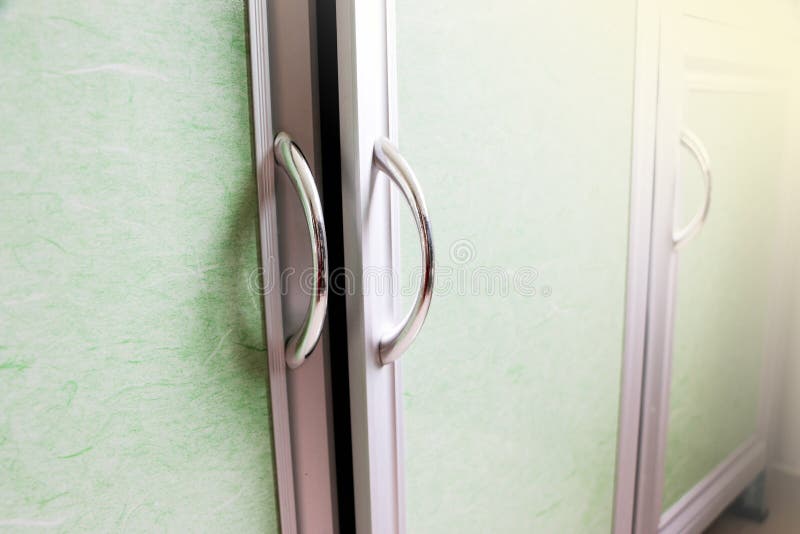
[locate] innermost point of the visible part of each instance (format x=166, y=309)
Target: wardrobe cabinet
x=391, y=266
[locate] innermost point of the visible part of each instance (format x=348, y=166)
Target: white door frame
x=367, y=89
x=655, y=387
x=643, y=150
x=283, y=84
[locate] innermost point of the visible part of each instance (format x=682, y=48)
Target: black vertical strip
x=330, y=152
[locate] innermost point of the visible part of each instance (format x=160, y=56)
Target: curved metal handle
x=291, y=160
x=387, y=159
x=698, y=150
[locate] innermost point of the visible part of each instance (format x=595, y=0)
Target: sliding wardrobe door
x=718, y=242
x=134, y=365
x=506, y=128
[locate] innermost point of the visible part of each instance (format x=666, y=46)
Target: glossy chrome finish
x=291, y=160
x=698, y=150
x=387, y=159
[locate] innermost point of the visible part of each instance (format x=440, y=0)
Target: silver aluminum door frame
x=283, y=78
x=365, y=48
x=368, y=110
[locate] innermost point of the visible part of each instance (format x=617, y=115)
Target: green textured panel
x=723, y=284
x=132, y=360
x=517, y=119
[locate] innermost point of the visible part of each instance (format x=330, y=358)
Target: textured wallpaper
x=723, y=284
x=132, y=355
x=517, y=119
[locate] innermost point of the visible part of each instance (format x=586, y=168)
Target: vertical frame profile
x=643, y=150
x=268, y=231
x=365, y=44
x=658, y=346
x=284, y=98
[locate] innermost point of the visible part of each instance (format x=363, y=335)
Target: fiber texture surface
x=516, y=117
x=132, y=353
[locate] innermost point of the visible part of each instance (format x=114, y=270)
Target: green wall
x=132, y=354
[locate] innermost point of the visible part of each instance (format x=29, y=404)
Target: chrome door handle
x=387, y=159
x=698, y=150
x=292, y=161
